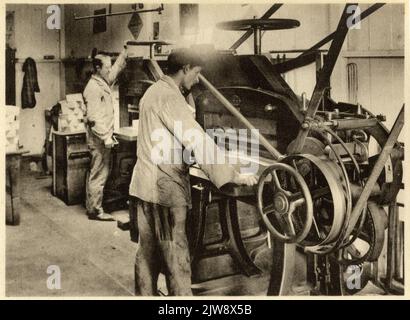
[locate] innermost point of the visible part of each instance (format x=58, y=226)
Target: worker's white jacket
x=165, y=116
x=99, y=103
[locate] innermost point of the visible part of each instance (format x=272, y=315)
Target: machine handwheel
x=285, y=203
x=263, y=24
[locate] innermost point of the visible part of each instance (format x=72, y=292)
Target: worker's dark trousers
x=99, y=171
x=162, y=247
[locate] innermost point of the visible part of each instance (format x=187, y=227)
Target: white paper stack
x=71, y=118
x=12, y=128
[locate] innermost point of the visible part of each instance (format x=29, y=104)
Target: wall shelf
x=374, y=54
x=21, y=60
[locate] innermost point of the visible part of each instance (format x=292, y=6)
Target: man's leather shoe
x=101, y=217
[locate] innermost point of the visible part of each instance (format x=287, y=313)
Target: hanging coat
x=30, y=84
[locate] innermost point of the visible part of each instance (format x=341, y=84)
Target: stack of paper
x=12, y=128
x=71, y=118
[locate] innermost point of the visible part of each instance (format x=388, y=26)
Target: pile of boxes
x=12, y=128
x=71, y=118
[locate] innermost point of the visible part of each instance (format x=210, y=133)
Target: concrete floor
x=95, y=258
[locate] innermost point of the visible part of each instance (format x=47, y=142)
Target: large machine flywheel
x=317, y=215
x=304, y=199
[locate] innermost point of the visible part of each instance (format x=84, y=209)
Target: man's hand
x=126, y=44
x=247, y=179
x=109, y=143
x=125, y=49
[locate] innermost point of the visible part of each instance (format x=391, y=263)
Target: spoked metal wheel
x=368, y=245
x=285, y=203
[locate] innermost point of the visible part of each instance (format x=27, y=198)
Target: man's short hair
x=179, y=58
x=98, y=60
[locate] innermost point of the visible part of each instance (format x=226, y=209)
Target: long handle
x=377, y=170
x=324, y=78
x=272, y=150
x=79, y=155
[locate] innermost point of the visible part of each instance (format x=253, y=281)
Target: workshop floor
x=95, y=258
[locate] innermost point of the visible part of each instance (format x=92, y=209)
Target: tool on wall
x=109, y=14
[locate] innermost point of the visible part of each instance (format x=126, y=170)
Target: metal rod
x=159, y=9
x=328, y=38
x=377, y=169
x=295, y=51
x=391, y=244
x=295, y=63
x=324, y=77
x=155, y=69
x=355, y=123
x=357, y=190
x=299, y=60
x=398, y=264
x=257, y=40
x=248, y=33
x=151, y=51
x=148, y=43
x=272, y=150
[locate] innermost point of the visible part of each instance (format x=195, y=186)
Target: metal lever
x=377, y=169
x=79, y=155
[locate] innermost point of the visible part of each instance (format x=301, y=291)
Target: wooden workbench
x=126, y=133
x=13, y=168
